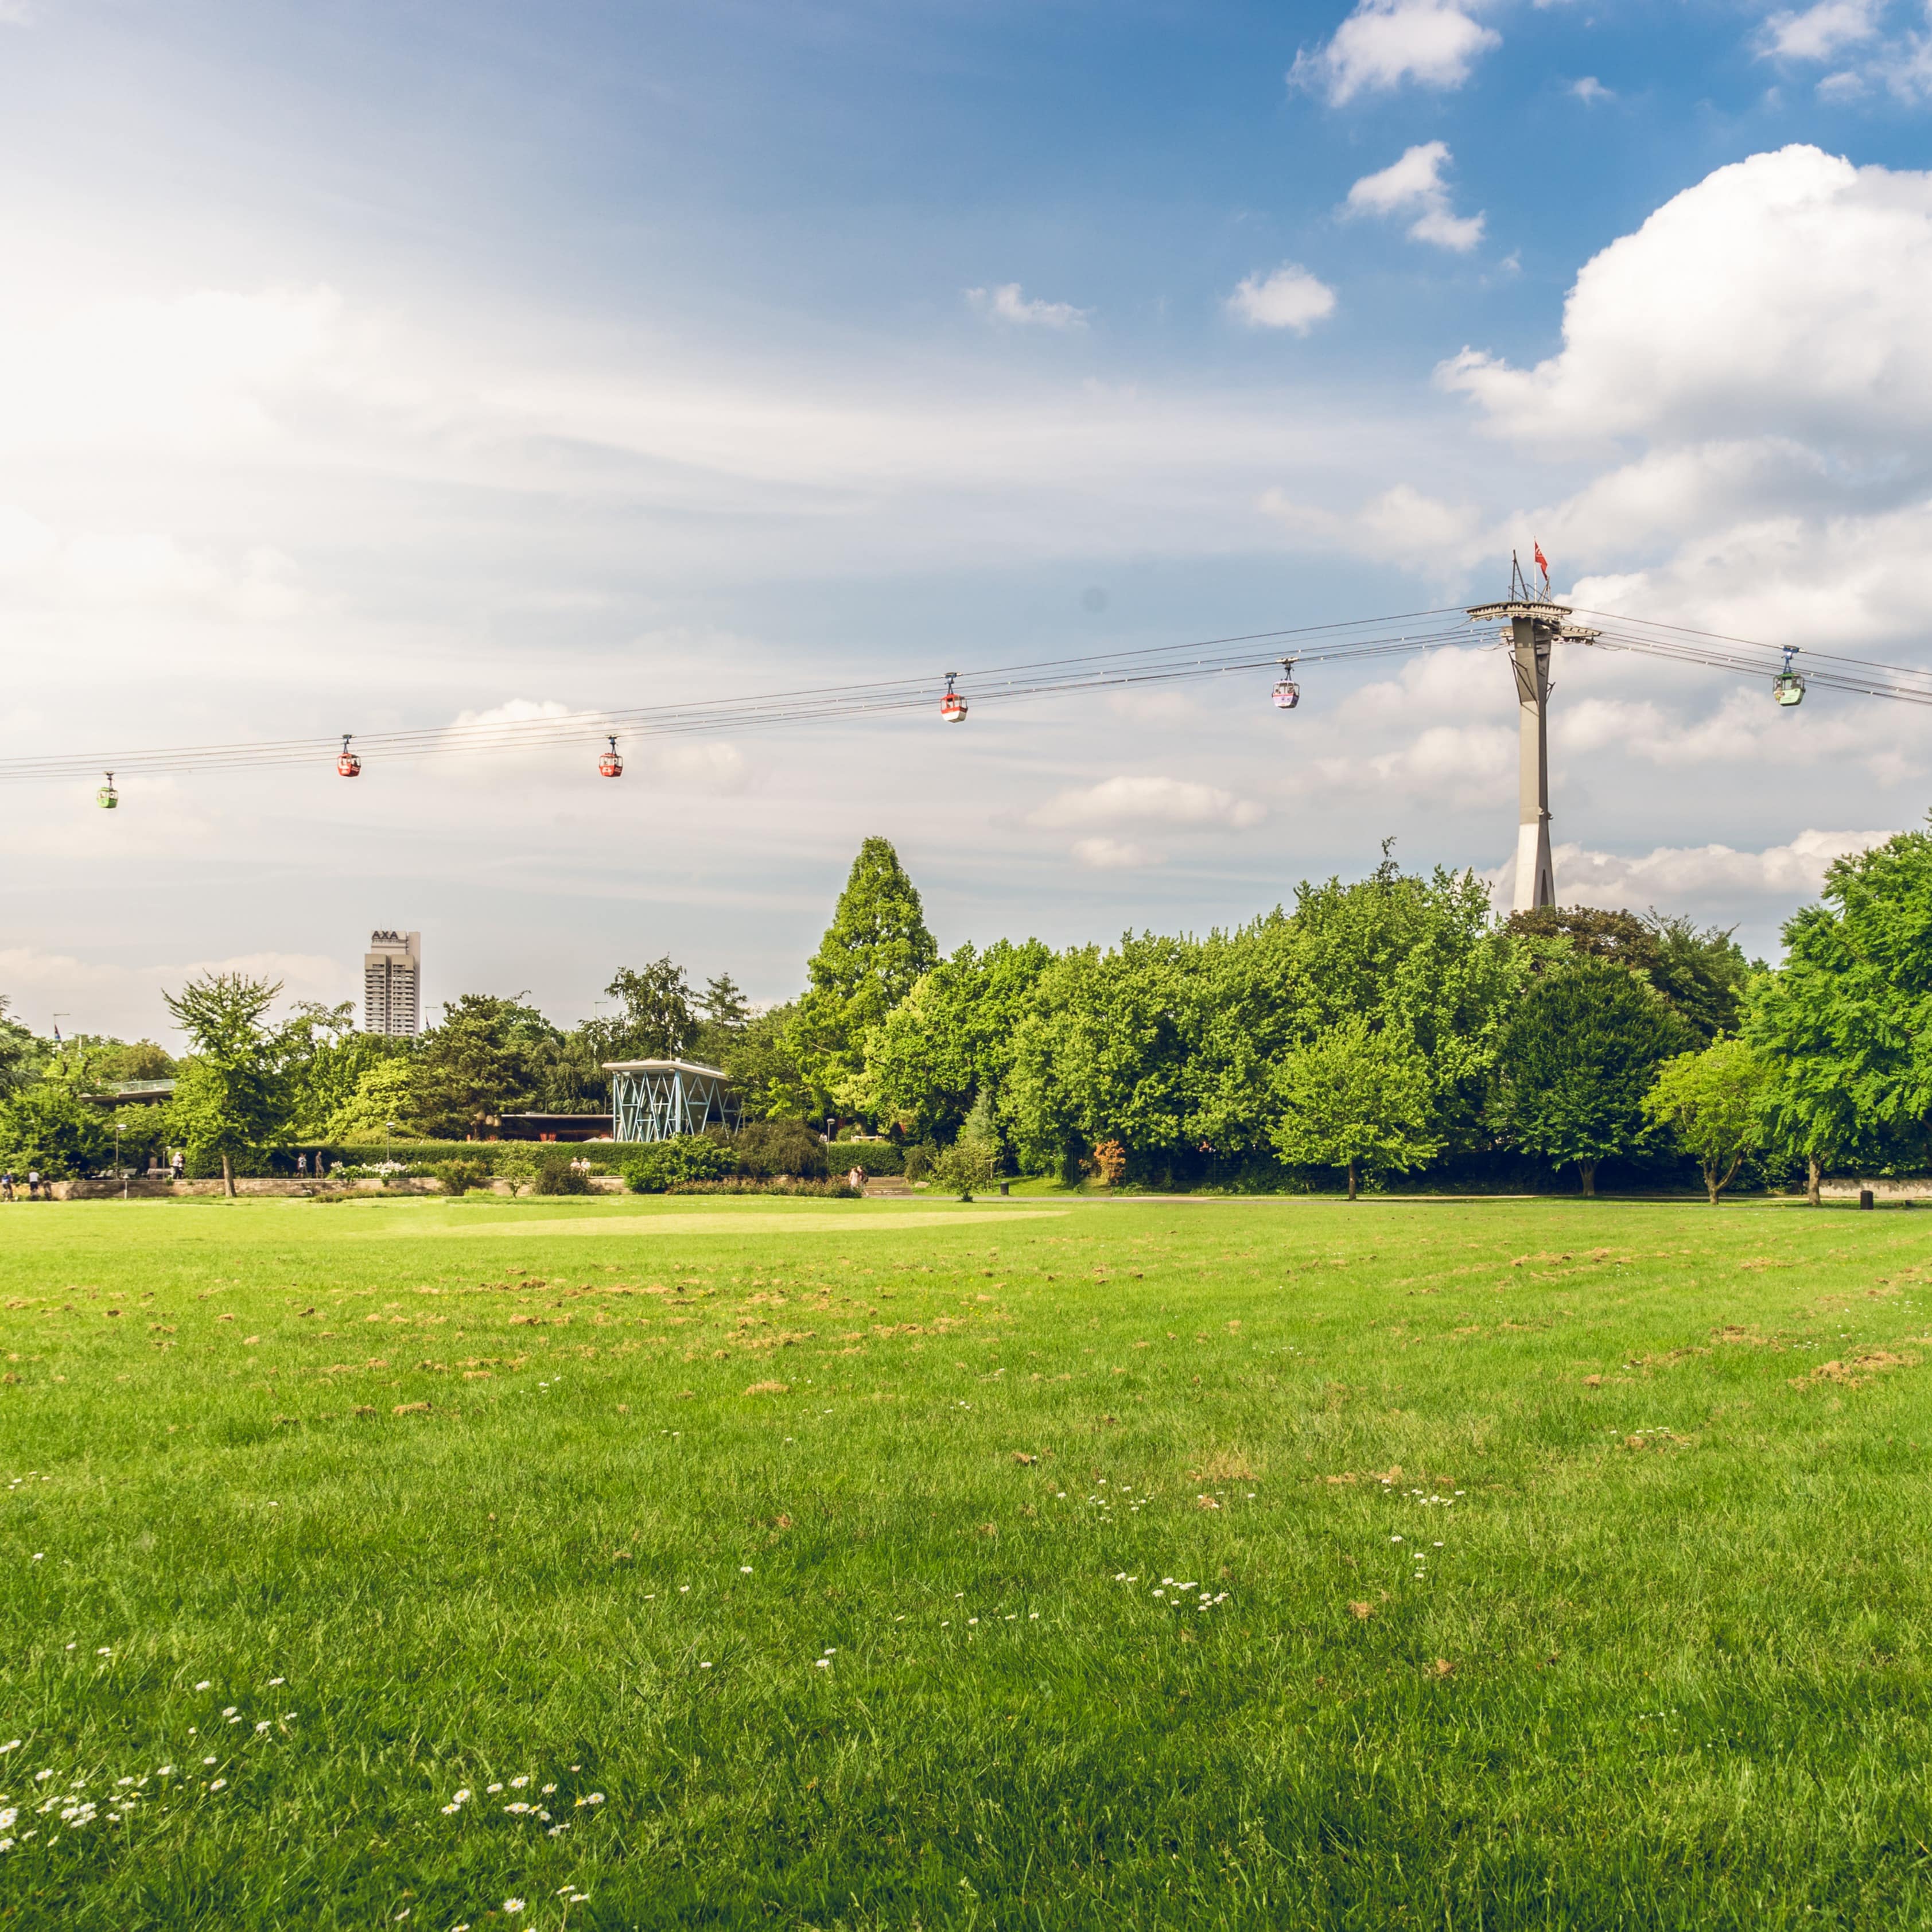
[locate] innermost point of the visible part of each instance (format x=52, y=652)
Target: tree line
x=1392, y=1025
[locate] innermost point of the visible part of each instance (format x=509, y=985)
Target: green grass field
x=1034, y=1563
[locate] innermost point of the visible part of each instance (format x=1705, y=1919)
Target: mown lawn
x=1034, y=1564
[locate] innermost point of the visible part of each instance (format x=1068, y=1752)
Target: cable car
x=348, y=765
x=951, y=707
x=1287, y=693
x=1787, y=687
x=107, y=798
x=610, y=765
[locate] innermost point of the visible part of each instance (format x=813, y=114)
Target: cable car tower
x=1533, y=623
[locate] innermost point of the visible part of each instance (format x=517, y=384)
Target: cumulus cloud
x=1413, y=185
x=1007, y=304
x=1832, y=265
x=1822, y=32
x=1590, y=90
x=98, y=996
x=1693, y=878
x=1289, y=298
x=1384, y=43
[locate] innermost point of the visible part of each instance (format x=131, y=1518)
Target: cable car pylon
x=1535, y=622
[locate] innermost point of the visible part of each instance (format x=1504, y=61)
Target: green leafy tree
x=1810, y=1096
x=952, y=1038
x=384, y=1100
x=1701, y=972
x=657, y=1019
x=1358, y=1098
x=1713, y=1104
x=22, y=1055
x=325, y=1057
x=764, y=1076
x=725, y=1016
x=50, y=1127
x=870, y=958
x=1845, y=1023
x=232, y=1097
x=480, y=1061
x=1576, y=1061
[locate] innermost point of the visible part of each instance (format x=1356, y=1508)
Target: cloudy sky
x=365, y=366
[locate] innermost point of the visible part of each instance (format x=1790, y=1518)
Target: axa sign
x=387, y=939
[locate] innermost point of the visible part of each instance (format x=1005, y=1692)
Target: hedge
x=870, y=1157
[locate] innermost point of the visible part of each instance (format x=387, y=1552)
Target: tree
x=50, y=1127
x=326, y=1057
x=727, y=1014
x=765, y=1077
x=22, y=1054
x=1577, y=1060
x=231, y=1097
x=1713, y=1103
x=657, y=1020
x=1356, y=1098
x=871, y=955
x=1702, y=973
x=1845, y=1023
x=952, y=1037
x=384, y=1098
x=479, y=1062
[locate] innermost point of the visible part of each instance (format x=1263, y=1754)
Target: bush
x=658, y=1165
x=818, y=1190
x=767, y=1148
x=460, y=1176
x=919, y=1160
x=964, y=1166
x=872, y=1158
x=557, y=1174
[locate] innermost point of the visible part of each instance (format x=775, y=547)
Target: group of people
x=34, y=1184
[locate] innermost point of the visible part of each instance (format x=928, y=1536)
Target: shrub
x=765, y=1148
x=557, y=1174
x=919, y=1160
x=872, y=1158
x=460, y=1176
x=658, y=1165
x=818, y=1190
x=964, y=1166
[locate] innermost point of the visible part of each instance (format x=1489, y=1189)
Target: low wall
x=1912, y=1187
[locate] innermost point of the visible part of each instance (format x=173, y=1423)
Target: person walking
x=7, y=1185
x=175, y=1166
x=301, y=1167
x=33, y=1184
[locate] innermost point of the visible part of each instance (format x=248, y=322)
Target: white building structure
x=392, y=983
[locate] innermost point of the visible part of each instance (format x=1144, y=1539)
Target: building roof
x=665, y=1066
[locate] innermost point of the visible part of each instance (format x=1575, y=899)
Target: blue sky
x=362, y=366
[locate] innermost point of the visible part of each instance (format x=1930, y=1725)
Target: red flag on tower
x=1542, y=563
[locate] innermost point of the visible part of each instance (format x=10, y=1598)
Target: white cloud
x=1415, y=185
x=1590, y=90
x=1290, y=298
x=1006, y=303
x=1115, y=854
x=1822, y=32
x=1176, y=803
x=125, y=1001
x=1831, y=264
x=1384, y=42
x=1707, y=881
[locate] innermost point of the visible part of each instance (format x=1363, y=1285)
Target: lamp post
x=388, y=1134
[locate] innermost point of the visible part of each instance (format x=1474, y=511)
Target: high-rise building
x=392, y=983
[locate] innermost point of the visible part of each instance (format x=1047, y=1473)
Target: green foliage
x=919, y=1160
x=231, y=1098
x=870, y=957
x=953, y=1037
x=1701, y=973
x=658, y=1164
x=48, y=1126
x=1577, y=1060
x=1356, y=1098
x=1713, y=1102
x=872, y=1158
x=459, y=1177
x=325, y=1059
x=480, y=1061
x=657, y=1019
x=765, y=1076
x=766, y=1149
x=22, y=1054
x=383, y=1106
x=558, y=1173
